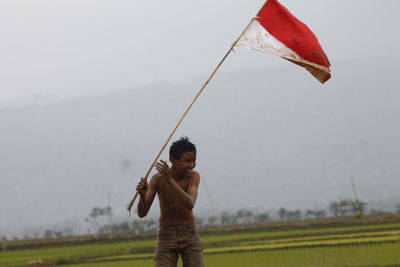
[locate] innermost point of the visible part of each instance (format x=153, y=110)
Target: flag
x=276, y=31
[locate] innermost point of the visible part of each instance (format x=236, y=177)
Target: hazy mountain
x=266, y=138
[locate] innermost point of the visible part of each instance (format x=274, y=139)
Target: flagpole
x=129, y=206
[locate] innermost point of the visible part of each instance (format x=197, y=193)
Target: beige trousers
x=173, y=241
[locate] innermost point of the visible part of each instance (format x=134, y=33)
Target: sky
x=52, y=50
x=56, y=57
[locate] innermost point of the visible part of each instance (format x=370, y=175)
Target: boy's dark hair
x=181, y=146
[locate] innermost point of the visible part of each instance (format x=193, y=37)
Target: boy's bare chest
x=168, y=193
x=183, y=183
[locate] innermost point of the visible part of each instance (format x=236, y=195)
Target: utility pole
x=109, y=214
x=359, y=213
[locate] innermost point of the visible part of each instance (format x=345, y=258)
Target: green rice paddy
x=374, y=244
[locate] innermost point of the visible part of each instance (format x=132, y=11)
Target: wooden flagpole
x=129, y=206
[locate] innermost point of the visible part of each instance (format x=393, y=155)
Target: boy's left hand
x=163, y=168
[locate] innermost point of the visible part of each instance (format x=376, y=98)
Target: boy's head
x=181, y=146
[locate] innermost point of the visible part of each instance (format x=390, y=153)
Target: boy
x=176, y=188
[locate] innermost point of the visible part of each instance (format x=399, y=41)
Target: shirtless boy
x=176, y=188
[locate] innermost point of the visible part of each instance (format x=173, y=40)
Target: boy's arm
x=147, y=192
x=188, y=199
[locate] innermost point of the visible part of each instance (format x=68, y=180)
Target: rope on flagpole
x=130, y=205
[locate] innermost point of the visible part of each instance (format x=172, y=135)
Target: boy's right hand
x=142, y=187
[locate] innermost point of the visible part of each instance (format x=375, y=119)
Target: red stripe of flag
x=293, y=33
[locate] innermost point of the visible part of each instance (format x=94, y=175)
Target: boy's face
x=185, y=164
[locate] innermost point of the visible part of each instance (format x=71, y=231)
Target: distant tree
x=320, y=214
x=317, y=214
x=358, y=208
x=344, y=207
x=48, y=234
x=282, y=213
x=233, y=219
x=334, y=208
x=58, y=234
x=107, y=211
x=293, y=215
x=348, y=207
x=104, y=229
x=377, y=212
x=149, y=223
x=248, y=216
x=226, y=218
x=240, y=214
x=122, y=227
x=115, y=228
x=94, y=214
x=398, y=208
x=52, y=234
x=119, y=227
x=262, y=217
x=97, y=212
x=137, y=226
x=212, y=220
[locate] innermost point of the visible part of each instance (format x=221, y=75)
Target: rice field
x=361, y=255
x=375, y=244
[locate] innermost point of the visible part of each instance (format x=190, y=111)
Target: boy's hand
x=163, y=169
x=142, y=187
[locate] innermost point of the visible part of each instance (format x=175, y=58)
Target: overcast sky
x=51, y=49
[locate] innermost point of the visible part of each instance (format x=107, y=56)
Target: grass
x=71, y=253
x=327, y=245
x=365, y=255
x=377, y=255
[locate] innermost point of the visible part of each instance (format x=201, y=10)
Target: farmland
x=347, y=243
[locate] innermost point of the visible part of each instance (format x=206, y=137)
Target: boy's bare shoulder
x=155, y=179
x=156, y=176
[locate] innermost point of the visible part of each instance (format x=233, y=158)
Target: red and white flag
x=276, y=31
